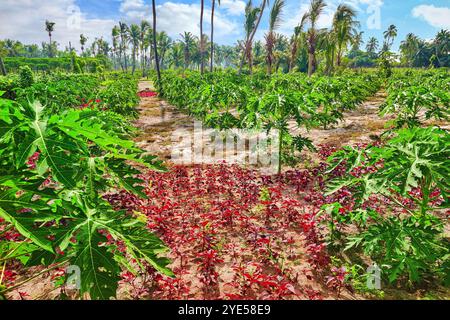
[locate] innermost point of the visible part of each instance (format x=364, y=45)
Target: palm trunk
x=158, y=72
x=310, y=64
x=134, y=60
x=339, y=56
x=212, y=36
x=202, y=62
x=252, y=35
x=2, y=67
x=50, y=45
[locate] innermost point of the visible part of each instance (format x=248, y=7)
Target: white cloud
x=24, y=20
x=438, y=17
x=233, y=7
x=175, y=18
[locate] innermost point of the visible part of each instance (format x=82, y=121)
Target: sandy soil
x=157, y=122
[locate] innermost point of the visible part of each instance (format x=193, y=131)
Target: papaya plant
x=410, y=172
x=55, y=169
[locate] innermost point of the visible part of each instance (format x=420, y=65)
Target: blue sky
x=23, y=20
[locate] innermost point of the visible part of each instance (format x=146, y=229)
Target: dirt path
x=158, y=120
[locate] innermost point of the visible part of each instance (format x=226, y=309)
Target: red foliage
x=147, y=94
x=228, y=242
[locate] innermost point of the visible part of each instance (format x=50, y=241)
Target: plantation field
x=361, y=182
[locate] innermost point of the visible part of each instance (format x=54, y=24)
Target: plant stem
x=31, y=278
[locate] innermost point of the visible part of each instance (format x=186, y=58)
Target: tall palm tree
x=124, y=31
x=164, y=43
x=442, y=46
x=344, y=25
x=274, y=22
x=327, y=42
x=115, y=32
x=3, y=53
x=357, y=41
x=134, y=36
x=176, y=55
x=297, y=41
x=94, y=46
x=188, y=41
x=258, y=21
x=389, y=36
x=145, y=26
x=372, y=46
x=83, y=41
x=202, y=47
x=49, y=27
x=212, y=34
x=251, y=17
x=155, y=49
x=312, y=16
x=409, y=47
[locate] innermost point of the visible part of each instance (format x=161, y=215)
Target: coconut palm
x=155, y=49
x=115, y=32
x=188, y=41
x=258, y=21
x=144, y=28
x=124, y=31
x=442, y=46
x=94, y=46
x=134, y=36
x=164, y=43
x=297, y=41
x=408, y=48
x=344, y=25
x=176, y=55
x=327, y=42
x=3, y=53
x=275, y=19
x=83, y=41
x=389, y=36
x=212, y=34
x=251, y=17
x=312, y=16
x=372, y=46
x=49, y=27
x=357, y=41
x=202, y=47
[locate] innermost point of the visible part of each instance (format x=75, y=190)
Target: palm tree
x=115, y=42
x=357, y=41
x=49, y=27
x=155, y=49
x=442, y=46
x=312, y=16
x=124, y=30
x=3, y=52
x=344, y=25
x=274, y=22
x=251, y=16
x=134, y=36
x=212, y=34
x=409, y=47
x=202, y=49
x=389, y=36
x=176, y=55
x=188, y=41
x=372, y=46
x=83, y=41
x=296, y=42
x=93, y=46
x=261, y=12
x=145, y=26
x=164, y=43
